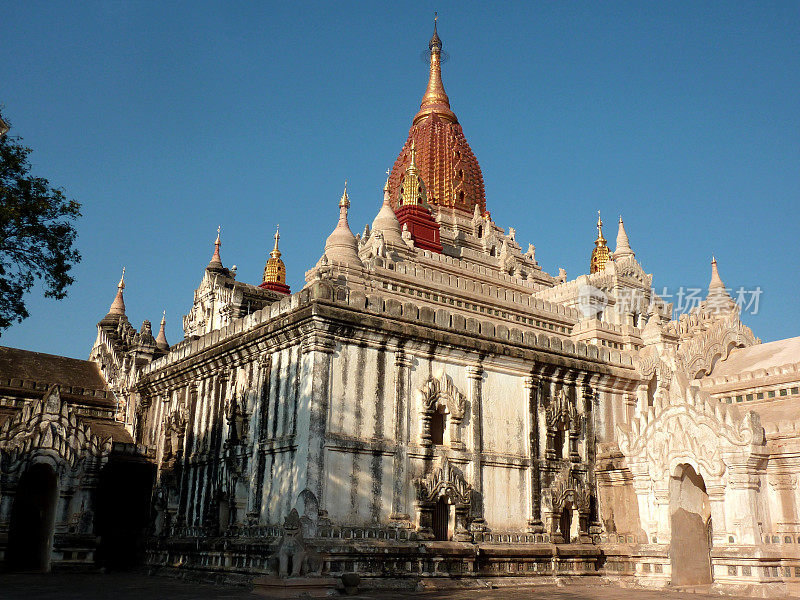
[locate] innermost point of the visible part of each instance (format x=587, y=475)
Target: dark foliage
x=37, y=233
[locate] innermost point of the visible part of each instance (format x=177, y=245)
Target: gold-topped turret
x=600, y=254
x=275, y=270
x=412, y=189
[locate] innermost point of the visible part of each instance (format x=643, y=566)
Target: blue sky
x=167, y=119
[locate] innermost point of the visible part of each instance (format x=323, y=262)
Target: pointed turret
x=341, y=245
x=386, y=221
x=118, y=305
x=161, y=340
x=718, y=299
x=215, y=264
x=623, y=244
x=600, y=254
x=275, y=270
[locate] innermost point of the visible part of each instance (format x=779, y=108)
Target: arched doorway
x=569, y=523
x=690, y=528
x=441, y=519
x=33, y=519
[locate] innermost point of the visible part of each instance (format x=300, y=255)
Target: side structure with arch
x=696, y=466
x=52, y=466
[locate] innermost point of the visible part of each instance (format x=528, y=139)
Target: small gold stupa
x=275, y=270
x=600, y=254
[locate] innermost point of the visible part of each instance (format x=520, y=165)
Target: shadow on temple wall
x=123, y=513
x=33, y=519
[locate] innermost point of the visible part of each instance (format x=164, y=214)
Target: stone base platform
x=295, y=587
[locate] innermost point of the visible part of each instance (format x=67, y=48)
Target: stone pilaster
x=316, y=351
x=532, y=390
x=257, y=469
x=716, y=501
x=475, y=376
x=400, y=511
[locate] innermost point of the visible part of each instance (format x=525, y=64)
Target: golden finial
x=600, y=253
x=435, y=99
x=121, y=284
x=275, y=252
x=412, y=167
x=345, y=200
x=435, y=43
x=600, y=228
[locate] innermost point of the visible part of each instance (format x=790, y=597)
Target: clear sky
x=167, y=119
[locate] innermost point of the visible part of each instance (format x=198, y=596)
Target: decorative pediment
x=561, y=411
x=568, y=487
x=440, y=391
x=707, y=341
x=648, y=363
x=447, y=481
x=689, y=424
x=49, y=425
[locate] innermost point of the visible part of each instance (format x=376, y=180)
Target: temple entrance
x=568, y=523
x=690, y=524
x=441, y=519
x=33, y=519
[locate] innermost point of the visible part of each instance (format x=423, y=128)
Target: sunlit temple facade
x=433, y=403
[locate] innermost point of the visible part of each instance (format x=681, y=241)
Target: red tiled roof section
x=447, y=165
x=48, y=368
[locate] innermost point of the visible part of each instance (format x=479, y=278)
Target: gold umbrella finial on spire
x=435, y=100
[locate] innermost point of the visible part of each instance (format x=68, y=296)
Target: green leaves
x=37, y=233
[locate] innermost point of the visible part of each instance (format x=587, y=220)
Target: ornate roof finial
x=216, y=262
x=412, y=168
x=600, y=254
x=275, y=270
x=275, y=252
x=118, y=305
x=623, y=244
x=435, y=41
x=161, y=340
x=412, y=188
x=716, y=280
x=718, y=298
x=435, y=99
x=341, y=245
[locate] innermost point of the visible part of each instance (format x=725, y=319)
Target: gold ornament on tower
x=412, y=190
x=600, y=254
x=275, y=270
